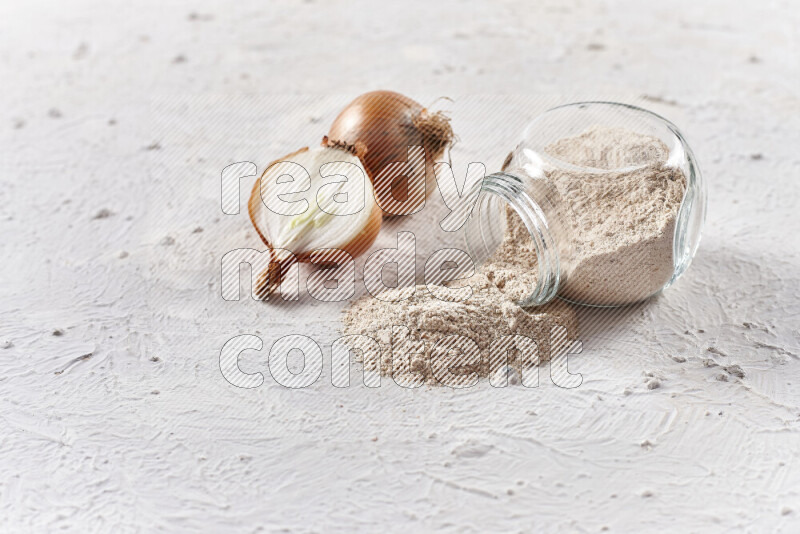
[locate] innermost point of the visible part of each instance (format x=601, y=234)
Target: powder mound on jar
x=484, y=317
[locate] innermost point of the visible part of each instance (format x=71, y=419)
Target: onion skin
x=359, y=244
x=386, y=124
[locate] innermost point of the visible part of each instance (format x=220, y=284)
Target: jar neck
x=533, y=207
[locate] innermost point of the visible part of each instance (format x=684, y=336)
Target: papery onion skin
x=386, y=123
x=269, y=281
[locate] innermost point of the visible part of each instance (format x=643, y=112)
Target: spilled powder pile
x=624, y=205
x=484, y=317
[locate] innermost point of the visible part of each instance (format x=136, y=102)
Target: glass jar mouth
x=482, y=238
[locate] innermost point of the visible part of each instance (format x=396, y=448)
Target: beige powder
x=513, y=268
x=483, y=318
x=622, y=221
x=619, y=202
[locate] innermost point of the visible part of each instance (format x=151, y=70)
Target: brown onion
x=386, y=124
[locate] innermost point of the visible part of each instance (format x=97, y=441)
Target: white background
x=146, y=435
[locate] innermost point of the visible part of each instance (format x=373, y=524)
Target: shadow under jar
x=611, y=196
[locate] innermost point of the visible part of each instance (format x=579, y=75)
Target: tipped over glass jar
x=609, y=198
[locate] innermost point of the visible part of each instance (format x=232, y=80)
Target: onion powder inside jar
x=608, y=195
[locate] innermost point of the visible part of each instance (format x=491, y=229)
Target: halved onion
x=336, y=208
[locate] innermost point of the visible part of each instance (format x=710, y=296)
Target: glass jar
x=612, y=197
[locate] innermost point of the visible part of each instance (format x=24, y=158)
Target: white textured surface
x=145, y=434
